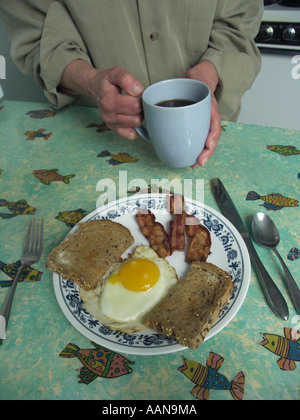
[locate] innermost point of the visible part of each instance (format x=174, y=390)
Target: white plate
x=228, y=252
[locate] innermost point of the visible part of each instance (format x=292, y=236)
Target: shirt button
x=154, y=36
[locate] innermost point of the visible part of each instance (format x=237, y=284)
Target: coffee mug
x=177, y=118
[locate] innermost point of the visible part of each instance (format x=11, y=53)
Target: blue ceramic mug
x=178, y=133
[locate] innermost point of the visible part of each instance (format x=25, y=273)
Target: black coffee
x=175, y=103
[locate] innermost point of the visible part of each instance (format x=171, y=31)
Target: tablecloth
x=50, y=165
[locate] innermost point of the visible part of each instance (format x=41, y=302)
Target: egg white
x=121, y=309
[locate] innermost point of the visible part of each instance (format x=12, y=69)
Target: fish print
x=294, y=254
x=17, y=208
x=1, y=107
x=41, y=114
x=100, y=127
x=287, y=347
x=28, y=274
x=273, y=201
x=208, y=377
x=46, y=176
x=37, y=134
x=284, y=150
x=98, y=362
x=118, y=158
x=71, y=217
x=1, y=172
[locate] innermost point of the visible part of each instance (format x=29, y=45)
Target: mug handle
x=143, y=132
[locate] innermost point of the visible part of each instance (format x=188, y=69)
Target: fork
x=31, y=253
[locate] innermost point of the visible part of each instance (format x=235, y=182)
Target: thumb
x=136, y=89
x=126, y=82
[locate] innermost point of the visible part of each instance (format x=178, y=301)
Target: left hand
x=206, y=72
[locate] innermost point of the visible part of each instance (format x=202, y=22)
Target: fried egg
x=130, y=290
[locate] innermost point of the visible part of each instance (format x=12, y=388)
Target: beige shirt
x=151, y=39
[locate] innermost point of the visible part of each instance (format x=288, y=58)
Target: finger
x=115, y=121
x=211, y=142
x=213, y=138
x=215, y=121
x=208, y=151
x=121, y=104
x=214, y=133
x=204, y=156
x=126, y=81
x=127, y=133
x=195, y=165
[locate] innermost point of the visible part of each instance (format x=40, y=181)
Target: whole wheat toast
x=85, y=255
x=193, y=305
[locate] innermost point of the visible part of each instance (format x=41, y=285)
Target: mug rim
x=169, y=81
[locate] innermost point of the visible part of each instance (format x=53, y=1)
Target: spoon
x=266, y=234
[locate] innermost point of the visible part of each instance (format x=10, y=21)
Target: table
x=77, y=151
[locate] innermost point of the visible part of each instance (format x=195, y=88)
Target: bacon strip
x=177, y=228
x=199, y=248
x=176, y=207
x=175, y=204
x=154, y=232
x=163, y=244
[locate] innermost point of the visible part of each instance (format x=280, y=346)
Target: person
x=105, y=53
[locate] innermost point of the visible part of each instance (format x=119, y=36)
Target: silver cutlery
x=31, y=253
x=266, y=234
x=272, y=293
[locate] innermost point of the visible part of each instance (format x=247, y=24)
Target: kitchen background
x=275, y=96
x=274, y=99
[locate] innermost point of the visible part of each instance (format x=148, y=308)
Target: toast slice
x=85, y=255
x=193, y=305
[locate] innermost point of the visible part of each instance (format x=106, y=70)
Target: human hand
x=120, y=112
x=206, y=73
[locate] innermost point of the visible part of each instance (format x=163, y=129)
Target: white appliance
x=274, y=99
x=1, y=94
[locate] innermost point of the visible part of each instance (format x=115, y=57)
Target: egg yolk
x=137, y=275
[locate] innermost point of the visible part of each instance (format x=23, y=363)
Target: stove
x=274, y=98
x=280, y=27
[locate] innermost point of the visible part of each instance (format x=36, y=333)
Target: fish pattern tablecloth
x=50, y=165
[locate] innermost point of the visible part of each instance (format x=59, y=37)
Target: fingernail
x=204, y=161
x=132, y=135
x=136, y=89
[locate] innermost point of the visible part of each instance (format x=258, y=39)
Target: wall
x=17, y=86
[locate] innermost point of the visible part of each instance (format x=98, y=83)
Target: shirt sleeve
x=44, y=40
x=233, y=51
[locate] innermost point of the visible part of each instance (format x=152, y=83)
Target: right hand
x=120, y=112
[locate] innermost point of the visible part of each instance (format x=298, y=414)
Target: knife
x=273, y=295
